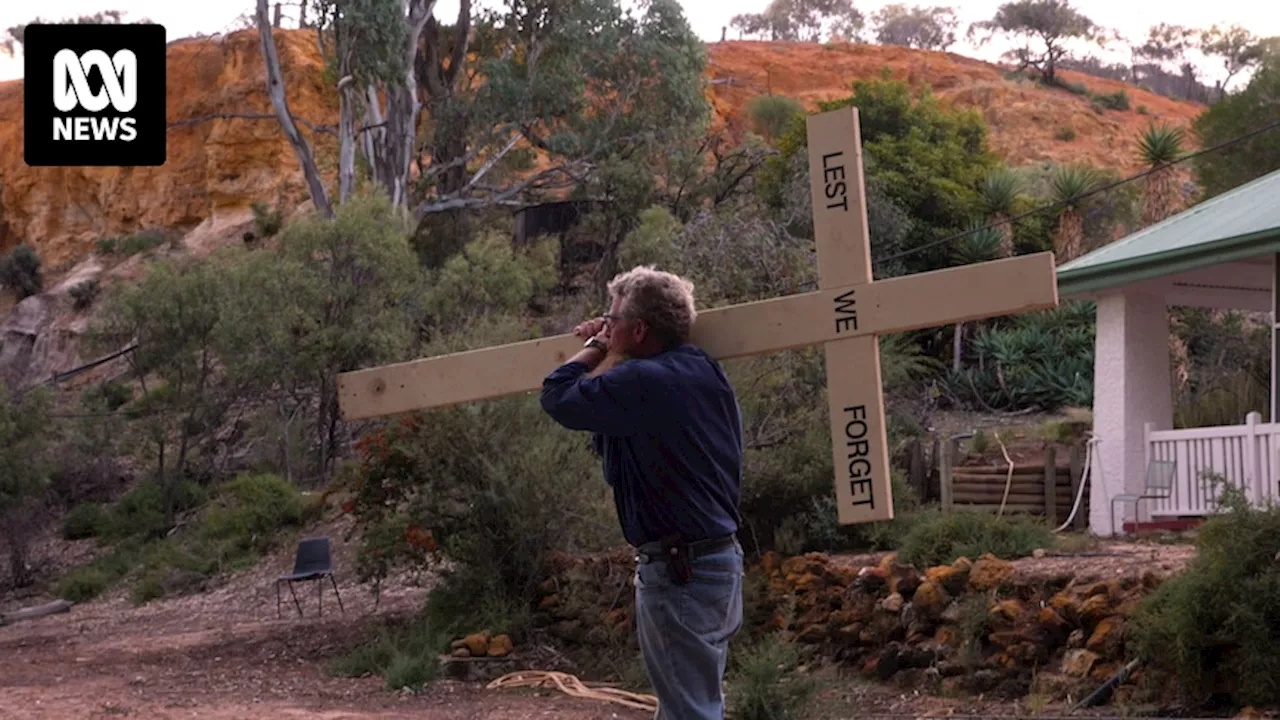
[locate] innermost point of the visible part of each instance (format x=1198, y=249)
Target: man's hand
x=590, y=328
x=592, y=357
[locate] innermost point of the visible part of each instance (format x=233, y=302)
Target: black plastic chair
x=312, y=562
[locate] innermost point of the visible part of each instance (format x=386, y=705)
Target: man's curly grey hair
x=663, y=300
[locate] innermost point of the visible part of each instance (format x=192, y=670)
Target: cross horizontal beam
x=932, y=299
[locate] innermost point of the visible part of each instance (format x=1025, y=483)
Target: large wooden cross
x=845, y=315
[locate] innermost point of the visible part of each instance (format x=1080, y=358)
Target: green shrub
x=771, y=114
x=405, y=654
x=85, y=521
x=141, y=242
x=1118, y=100
x=82, y=584
x=411, y=671
x=1074, y=88
x=20, y=270
x=938, y=538
x=140, y=512
x=1065, y=134
x=495, y=486
x=85, y=293
x=1213, y=626
x=763, y=683
x=248, y=512
x=267, y=220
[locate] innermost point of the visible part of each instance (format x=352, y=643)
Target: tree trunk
x=957, y=347
x=402, y=110
x=19, y=574
x=346, y=116
x=275, y=87
x=322, y=422
x=1159, y=199
x=30, y=613
x=1070, y=235
x=1005, y=229
x=372, y=139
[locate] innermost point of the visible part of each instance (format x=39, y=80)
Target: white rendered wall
x=1130, y=388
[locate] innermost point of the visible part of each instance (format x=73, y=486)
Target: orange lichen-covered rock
x=951, y=578
x=1107, y=636
x=1050, y=619
x=990, y=572
x=477, y=643
x=1094, y=608
x=500, y=646
x=930, y=599
x=1006, y=611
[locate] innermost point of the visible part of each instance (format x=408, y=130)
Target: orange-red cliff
x=220, y=165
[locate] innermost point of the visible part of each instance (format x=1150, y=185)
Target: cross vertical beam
x=860, y=453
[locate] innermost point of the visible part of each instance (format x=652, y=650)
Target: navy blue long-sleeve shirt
x=669, y=431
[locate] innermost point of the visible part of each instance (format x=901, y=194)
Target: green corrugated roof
x=1239, y=224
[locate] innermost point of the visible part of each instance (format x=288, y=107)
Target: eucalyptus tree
x=556, y=85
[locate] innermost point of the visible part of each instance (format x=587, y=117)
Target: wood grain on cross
x=845, y=314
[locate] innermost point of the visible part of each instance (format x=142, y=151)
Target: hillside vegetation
x=229, y=290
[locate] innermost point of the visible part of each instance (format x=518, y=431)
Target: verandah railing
x=1244, y=456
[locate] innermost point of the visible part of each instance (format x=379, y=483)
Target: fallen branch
x=574, y=687
x=57, y=606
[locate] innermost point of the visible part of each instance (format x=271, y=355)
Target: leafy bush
x=246, y=516
x=929, y=159
x=1118, y=100
x=495, y=487
x=1222, y=367
x=85, y=293
x=1213, y=626
x=266, y=220
x=86, y=582
x=938, y=538
x=1235, y=115
x=771, y=114
x=406, y=654
x=763, y=683
x=169, y=568
x=82, y=584
x=140, y=513
x=20, y=270
x=131, y=245
x=85, y=521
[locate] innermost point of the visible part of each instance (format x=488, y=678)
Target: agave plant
x=1159, y=147
x=1068, y=184
x=982, y=243
x=999, y=193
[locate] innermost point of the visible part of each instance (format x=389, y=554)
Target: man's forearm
x=610, y=360
x=589, y=356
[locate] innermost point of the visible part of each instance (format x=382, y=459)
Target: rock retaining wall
x=973, y=626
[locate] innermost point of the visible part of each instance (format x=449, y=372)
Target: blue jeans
x=685, y=630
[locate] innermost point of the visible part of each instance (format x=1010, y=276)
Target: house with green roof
x=1220, y=254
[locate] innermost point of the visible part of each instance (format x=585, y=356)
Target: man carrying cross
x=668, y=427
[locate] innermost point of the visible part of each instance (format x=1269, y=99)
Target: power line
x=1077, y=198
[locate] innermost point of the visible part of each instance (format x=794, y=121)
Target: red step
x=1163, y=525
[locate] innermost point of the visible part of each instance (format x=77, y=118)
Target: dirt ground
x=225, y=654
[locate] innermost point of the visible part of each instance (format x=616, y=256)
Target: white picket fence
x=1244, y=455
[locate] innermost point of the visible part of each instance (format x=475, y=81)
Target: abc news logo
x=94, y=95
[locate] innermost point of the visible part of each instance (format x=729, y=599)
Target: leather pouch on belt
x=677, y=556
